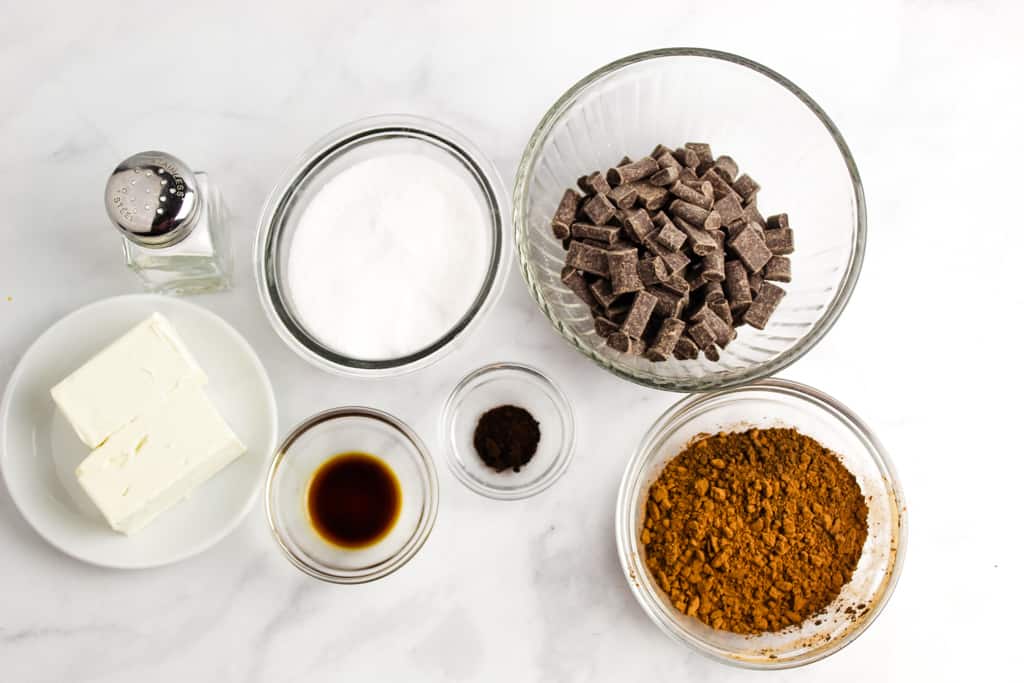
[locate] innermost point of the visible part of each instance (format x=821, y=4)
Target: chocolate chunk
x=750, y=248
x=687, y=175
x=701, y=243
x=605, y=234
x=675, y=260
x=622, y=342
x=713, y=222
x=651, y=197
x=719, y=236
x=730, y=209
x=603, y=326
x=722, y=310
x=658, y=150
x=692, y=196
x=711, y=353
x=565, y=214
x=666, y=160
x=685, y=349
x=737, y=286
x=696, y=281
x=665, y=342
x=780, y=220
x=713, y=291
x=587, y=258
x=755, y=281
x=721, y=331
x=746, y=187
x=712, y=266
x=703, y=152
x=752, y=214
x=691, y=213
x=595, y=183
x=670, y=304
x=638, y=225
x=778, y=269
x=617, y=312
x=720, y=186
x=598, y=209
x=633, y=171
x=622, y=269
x=702, y=186
x=735, y=229
x=678, y=284
x=660, y=219
x=653, y=270
x=701, y=334
x=779, y=241
x=665, y=176
x=566, y=242
x=639, y=314
x=687, y=157
x=727, y=168
x=577, y=284
x=602, y=292
x=765, y=303
x=623, y=196
x=624, y=160
x=671, y=236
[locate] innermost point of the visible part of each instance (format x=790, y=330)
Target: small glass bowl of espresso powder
x=508, y=431
x=351, y=495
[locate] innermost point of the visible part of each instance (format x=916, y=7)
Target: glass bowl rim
x=428, y=513
x=566, y=450
x=328, y=148
x=625, y=534
x=520, y=201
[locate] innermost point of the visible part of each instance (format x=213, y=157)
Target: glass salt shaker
x=173, y=224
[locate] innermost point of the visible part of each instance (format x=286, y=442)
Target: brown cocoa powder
x=755, y=531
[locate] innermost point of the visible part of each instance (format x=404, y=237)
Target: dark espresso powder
x=506, y=436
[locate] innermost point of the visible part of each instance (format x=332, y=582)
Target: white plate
x=39, y=451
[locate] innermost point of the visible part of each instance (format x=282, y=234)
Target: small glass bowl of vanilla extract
x=352, y=495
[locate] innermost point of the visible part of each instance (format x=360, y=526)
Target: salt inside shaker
x=173, y=224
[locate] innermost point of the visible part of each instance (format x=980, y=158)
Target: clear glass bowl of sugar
x=776, y=133
x=383, y=246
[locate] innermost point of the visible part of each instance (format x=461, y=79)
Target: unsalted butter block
x=158, y=458
x=135, y=372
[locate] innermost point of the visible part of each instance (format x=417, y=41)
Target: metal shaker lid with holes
x=153, y=199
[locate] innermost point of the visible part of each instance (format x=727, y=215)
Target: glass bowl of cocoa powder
x=786, y=635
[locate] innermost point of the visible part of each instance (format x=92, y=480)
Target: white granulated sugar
x=388, y=256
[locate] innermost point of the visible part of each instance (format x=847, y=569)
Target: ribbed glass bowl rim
x=625, y=533
x=520, y=201
x=428, y=514
x=556, y=469
x=490, y=185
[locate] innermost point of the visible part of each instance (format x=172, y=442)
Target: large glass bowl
x=776, y=133
x=771, y=403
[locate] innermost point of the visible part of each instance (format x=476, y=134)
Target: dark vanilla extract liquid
x=353, y=500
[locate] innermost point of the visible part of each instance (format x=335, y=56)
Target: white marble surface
x=927, y=94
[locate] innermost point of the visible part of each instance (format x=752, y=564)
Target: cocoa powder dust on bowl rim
x=754, y=532
x=506, y=437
